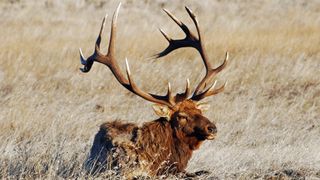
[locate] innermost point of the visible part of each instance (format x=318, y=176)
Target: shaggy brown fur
x=158, y=147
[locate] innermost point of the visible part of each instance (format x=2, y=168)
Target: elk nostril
x=212, y=129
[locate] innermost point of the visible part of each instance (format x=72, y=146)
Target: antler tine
x=165, y=35
x=178, y=22
x=209, y=92
x=98, y=41
x=188, y=41
x=187, y=91
x=188, y=88
x=169, y=94
x=89, y=62
x=111, y=49
x=195, y=21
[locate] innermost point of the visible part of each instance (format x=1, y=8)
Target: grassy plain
x=268, y=118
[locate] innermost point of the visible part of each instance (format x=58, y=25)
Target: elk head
x=183, y=110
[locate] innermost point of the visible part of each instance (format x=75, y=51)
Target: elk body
x=164, y=145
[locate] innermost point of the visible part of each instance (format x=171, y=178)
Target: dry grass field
x=268, y=117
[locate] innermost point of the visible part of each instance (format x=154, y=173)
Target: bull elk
x=164, y=145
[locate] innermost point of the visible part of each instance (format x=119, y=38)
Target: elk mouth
x=205, y=136
x=211, y=136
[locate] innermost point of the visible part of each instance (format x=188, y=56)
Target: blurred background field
x=268, y=118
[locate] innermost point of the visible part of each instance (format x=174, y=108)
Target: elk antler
x=196, y=42
x=110, y=61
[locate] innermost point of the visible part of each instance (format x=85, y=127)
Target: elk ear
x=162, y=111
x=203, y=106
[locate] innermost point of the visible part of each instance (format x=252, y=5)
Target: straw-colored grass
x=268, y=118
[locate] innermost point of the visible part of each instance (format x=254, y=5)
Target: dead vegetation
x=268, y=118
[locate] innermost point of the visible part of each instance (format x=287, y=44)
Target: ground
x=268, y=117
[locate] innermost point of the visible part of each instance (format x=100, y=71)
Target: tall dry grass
x=268, y=118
